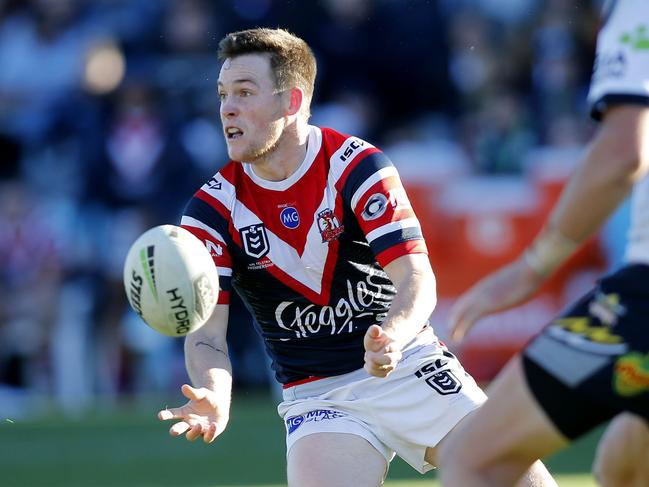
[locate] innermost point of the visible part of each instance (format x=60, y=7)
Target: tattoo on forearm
x=212, y=347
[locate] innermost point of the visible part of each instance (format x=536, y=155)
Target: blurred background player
x=592, y=362
x=316, y=234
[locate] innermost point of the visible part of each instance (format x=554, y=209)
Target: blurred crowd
x=109, y=122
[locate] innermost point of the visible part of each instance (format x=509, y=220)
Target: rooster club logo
x=290, y=218
x=255, y=240
x=329, y=226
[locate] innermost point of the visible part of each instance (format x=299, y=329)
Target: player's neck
x=287, y=156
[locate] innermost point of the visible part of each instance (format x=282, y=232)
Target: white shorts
x=412, y=409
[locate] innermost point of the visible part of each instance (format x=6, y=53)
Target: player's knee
x=537, y=475
x=300, y=475
x=334, y=460
x=606, y=478
x=612, y=474
x=620, y=454
x=451, y=455
x=611, y=469
x=305, y=476
x=300, y=479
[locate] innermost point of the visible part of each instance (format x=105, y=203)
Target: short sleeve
x=375, y=194
x=207, y=224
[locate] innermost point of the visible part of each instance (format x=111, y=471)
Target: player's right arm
x=207, y=412
x=617, y=157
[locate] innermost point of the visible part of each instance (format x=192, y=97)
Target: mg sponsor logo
x=293, y=423
x=315, y=416
x=290, y=218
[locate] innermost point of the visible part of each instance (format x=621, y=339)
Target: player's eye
x=222, y=96
x=245, y=93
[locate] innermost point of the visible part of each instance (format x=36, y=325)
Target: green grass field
x=132, y=448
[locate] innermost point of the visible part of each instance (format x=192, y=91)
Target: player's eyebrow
x=240, y=81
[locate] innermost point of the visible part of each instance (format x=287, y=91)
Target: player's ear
x=296, y=98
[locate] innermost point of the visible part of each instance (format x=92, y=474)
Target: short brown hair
x=291, y=59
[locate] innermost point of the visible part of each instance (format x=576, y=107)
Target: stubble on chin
x=260, y=154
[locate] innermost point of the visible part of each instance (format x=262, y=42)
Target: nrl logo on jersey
x=329, y=226
x=255, y=240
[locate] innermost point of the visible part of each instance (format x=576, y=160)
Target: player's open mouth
x=233, y=133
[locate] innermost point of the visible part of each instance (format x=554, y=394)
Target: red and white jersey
x=306, y=254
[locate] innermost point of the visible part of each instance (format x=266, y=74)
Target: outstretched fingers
x=459, y=322
x=171, y=413
x=193, y=393
x=467, y=310
x=200, y=417
x=195, y=432
x=179, y=428
x=210, y=434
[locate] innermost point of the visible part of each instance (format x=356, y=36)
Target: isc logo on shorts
x=444, y=382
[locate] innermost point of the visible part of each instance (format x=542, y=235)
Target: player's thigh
x=622, y=457
x=505, y=435
x=335, y=460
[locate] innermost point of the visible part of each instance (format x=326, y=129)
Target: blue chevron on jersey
x=302, y=257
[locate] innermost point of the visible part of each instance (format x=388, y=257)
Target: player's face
x=252, y=109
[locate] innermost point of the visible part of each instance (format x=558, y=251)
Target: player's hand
x=503, y=289
x=382, y=352
x=201, y=416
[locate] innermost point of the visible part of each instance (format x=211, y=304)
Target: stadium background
x=108, y=123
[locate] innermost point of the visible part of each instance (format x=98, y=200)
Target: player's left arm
x=372, y=188
x=615, y=160
x=413, y=304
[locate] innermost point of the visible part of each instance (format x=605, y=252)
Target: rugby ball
x=170, y=280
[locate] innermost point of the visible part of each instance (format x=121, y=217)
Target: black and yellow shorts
x=592, y=362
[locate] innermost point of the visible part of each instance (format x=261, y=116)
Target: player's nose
x=228, y=108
